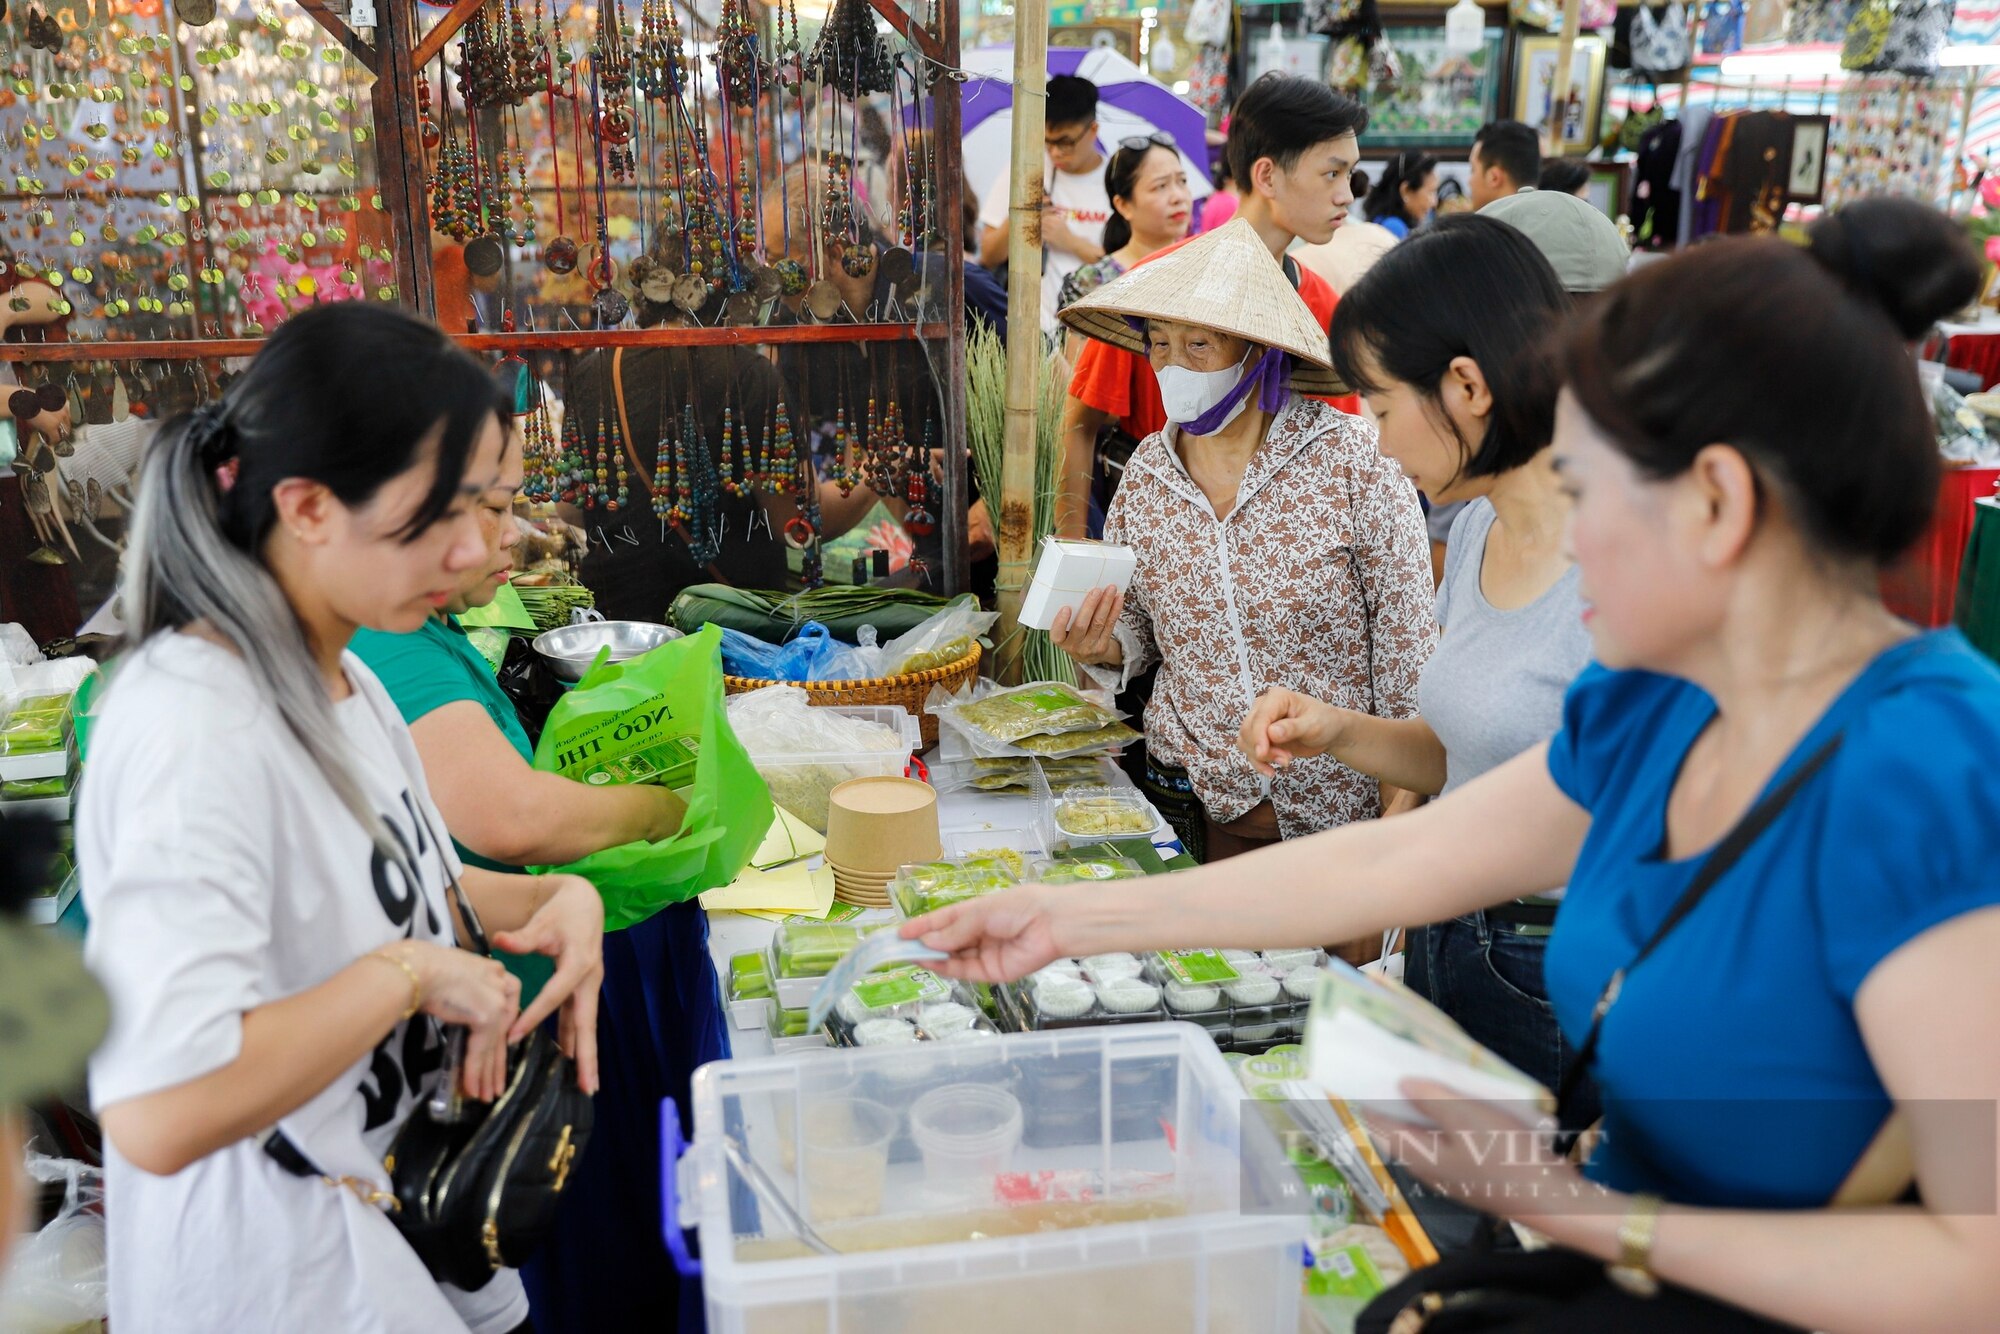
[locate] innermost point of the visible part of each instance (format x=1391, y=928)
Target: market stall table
x=732, y=933
x=1974, y=346
x=1921, y=587
x=1978, y=609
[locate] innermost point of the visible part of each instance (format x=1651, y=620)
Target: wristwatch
x=1634, y=1271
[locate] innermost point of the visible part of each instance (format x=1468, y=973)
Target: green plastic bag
x=659, y=718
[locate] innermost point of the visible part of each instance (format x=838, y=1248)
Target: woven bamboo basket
x=909, y=691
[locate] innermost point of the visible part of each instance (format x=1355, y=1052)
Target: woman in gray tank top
x=1448, y=339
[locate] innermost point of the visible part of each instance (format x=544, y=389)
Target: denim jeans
x=1488, y=977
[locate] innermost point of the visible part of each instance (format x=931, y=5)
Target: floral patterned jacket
x=1319, y=580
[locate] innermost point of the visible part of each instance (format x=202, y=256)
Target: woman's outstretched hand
x=999, y=937
x=1284, y=726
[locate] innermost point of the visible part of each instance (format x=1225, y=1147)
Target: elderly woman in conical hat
x=1275, y=545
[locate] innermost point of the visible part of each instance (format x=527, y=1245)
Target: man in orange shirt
x=1293, y=143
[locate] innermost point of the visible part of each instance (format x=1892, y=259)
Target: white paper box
x=1067, y=571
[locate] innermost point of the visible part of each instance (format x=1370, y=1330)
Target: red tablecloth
x=1924, y=584
x=1976, y=352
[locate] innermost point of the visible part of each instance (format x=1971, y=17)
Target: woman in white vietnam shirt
x=263, y=882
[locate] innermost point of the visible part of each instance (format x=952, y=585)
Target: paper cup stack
x=874, y=826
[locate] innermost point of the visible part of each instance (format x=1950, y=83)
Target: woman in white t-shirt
x=263, y=873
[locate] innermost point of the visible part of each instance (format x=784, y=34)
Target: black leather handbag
x=1557, y=1291
x=477, y=1184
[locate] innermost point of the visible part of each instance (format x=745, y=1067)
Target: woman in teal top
x=660, y=1013
x=1746, y=446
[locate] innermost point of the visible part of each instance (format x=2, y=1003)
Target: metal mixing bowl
x=570, y=649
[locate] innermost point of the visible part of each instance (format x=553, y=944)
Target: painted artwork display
x=1440, y=98
x=1534, y=75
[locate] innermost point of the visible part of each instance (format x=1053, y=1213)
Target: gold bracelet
x=416, y=984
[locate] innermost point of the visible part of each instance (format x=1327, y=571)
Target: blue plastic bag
x=811, y=655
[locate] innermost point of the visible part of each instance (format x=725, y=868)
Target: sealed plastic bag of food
x=939, y=641
x=805, y=752
x=659, y=718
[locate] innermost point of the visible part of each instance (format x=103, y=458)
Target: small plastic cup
x=967, y=1133
x=846, y=1157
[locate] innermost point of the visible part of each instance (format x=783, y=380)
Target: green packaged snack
x=790, y=1023
x=1099, y=739
x=932, y=885
x=29, y=789
x=36, y=724
x=749, y=978
x=1043, y=708
x=1087, y=870
x=811, y=950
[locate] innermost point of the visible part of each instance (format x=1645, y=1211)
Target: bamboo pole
x=1559, y=82
x=1016, y=518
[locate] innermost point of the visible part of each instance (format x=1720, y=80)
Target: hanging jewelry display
x=455, y=206
x=610, y=304
x=850, y=54
x=698, y=491
x=541, y=452
x=611, y=92
x=730, y=483
x=571, y=471
x=560, y=255
x=920, y=489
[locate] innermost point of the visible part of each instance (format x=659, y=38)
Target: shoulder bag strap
x=1716, y=865
x=632, y=455
x=475, y=930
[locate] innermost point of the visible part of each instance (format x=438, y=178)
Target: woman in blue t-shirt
x=1746, y=445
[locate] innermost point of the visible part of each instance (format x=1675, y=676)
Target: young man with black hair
x=1293, y=143
x=1506, y=159
x=1075, y=205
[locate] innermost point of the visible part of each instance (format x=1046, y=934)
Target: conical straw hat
x=1224, y=280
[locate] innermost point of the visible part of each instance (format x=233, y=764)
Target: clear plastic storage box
x=1102, y=1180
x=802, y=782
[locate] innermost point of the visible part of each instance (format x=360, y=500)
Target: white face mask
x=1187, y=394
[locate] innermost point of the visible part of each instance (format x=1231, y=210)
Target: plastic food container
x=803, y=781
x=749, y=990
x=790, y=1030
x=1093, y=814
x=967, y=1134
x=928, y=886
x=1138, y=1198
x=801, y=953
x=1086, y=870
x=36, y=725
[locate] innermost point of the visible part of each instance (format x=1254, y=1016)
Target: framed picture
x=1807, y=182
x=1609, y=182
x=1120, y=35
x=1535, y=59
x=1440, y=99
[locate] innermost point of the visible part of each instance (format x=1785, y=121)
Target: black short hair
x=1281, y=116
x=1564, y=175
x=1513, y=147
x=1796, y=357
x=1072, y=101
x=1466, y=286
